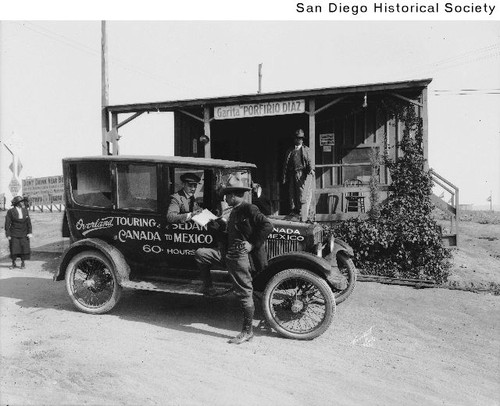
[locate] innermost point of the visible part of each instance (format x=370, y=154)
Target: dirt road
x=389, y=345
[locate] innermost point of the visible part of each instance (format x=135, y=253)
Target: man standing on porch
x=298, y=172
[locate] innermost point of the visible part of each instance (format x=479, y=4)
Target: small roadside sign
x=14, y=186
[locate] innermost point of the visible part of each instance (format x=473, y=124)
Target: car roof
x=175, y=160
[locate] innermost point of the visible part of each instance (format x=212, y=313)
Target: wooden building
x=343, y=127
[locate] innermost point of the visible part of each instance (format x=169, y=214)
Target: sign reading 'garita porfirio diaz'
x=273, y=108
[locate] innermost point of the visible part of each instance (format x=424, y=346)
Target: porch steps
x=450, y=239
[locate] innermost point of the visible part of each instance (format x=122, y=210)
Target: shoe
x=241, y=338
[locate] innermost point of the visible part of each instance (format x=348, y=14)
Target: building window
x=359, y=158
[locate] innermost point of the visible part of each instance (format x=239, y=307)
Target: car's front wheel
x=298, y=304
x=347, y=268
x=91, y=282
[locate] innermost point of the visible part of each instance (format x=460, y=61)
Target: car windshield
x=227, y=177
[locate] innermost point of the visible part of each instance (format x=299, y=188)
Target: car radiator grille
x=280, y=247
x=275, y=248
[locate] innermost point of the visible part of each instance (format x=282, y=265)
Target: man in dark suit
x=298, y=172
x=18, y=231
x=183, y=204
x=243, y=251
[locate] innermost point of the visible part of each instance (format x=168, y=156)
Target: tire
x=91, y=283
x=292, y=301
x=347, y=268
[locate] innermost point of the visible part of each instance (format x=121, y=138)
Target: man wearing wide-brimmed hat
x=298, y=173
x=183, y=204
x=243, y=251
x=18, y=231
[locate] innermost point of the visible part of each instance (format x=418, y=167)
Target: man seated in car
x=183, y=205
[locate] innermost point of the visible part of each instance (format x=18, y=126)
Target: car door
x=183, y=238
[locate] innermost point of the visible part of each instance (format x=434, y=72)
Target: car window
x=91, y=184
x=137, y=187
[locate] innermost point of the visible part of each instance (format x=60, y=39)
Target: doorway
x=262, y=141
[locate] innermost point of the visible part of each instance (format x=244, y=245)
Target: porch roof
x=263, y=97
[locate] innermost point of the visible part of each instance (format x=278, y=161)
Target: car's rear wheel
x=347, y=268
x=298, y=304
x=91, y=282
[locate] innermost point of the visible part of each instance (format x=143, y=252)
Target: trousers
x=238, y=264
x=300, y=193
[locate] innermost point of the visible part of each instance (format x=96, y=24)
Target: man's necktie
x=191, y=204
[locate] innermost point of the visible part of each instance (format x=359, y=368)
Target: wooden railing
x=336, y=202
x=451, y=207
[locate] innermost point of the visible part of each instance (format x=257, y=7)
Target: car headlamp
x=331, y=243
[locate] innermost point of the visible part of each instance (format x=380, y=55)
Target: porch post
x=425, y=129
x=114, y=133
x=206, y=127
x=312, y=130
x=312, y=147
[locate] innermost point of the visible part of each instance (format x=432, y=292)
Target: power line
x=466, y=92
x=471, y=56
x=83, y=48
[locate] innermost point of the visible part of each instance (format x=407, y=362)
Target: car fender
x=112, y=254
x=342, y=246
x=300, y=260
x=339, y=246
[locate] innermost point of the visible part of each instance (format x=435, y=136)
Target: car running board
x=174, y=286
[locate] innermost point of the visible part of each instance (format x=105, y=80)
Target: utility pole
x=105, y=92
x=1, y=117
x=260, y=78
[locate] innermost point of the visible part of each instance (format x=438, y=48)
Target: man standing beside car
x=245, y=233
x=183, y=205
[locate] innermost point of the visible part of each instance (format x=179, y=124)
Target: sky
x=50, y=81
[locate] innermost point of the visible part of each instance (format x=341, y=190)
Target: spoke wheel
x=91, y=282
x=298, y=304
x=347, y=268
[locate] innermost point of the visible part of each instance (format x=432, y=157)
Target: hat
x=234, y=184
x=17, y=199
x=190, y=178
x=299, y=133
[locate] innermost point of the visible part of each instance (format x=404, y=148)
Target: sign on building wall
x=276, y=108
x=44, y=191
x=327, y=139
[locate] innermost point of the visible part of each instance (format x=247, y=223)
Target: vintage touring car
x=120, y=238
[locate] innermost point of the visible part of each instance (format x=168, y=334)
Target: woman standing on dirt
x=18, y=231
